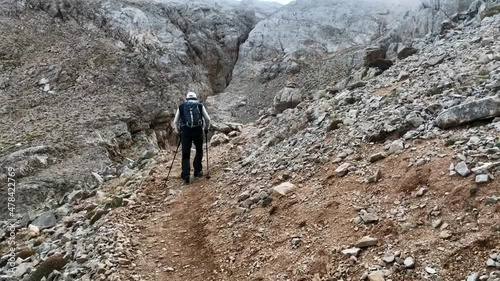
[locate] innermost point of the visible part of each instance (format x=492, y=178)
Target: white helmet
x=191, y=95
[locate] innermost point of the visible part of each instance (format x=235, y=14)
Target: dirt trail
x=172, y=235
x=195, y=233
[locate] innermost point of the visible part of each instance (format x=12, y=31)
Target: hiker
x=191, y=119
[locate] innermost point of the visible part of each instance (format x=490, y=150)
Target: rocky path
x=198, y=232
x=170, y=229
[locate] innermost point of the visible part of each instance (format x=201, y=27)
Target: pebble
x=389, y=258
x=376, y=276
x=376, y=177
x=244, y=196
x=474, y=140
x=490, y=200
x=462, y=169
x=342, y=170
x=396, y=146
x=485, y=168
x=376, y=157
x=296, y=242
x=240, y=210
x=285, y=188
x=445, y=235
x=33, y=231
x=430, y=270
x=421, y=192
x=409, y=262
x=437, y=223
x=366, y=242
x=368, y=217
x=482, y=179
x=351, y=252
x=473, y=277
x=45, y=220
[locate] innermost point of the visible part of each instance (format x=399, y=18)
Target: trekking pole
x=171, y=165
x=206, y=144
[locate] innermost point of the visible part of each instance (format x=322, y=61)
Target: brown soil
x=194, y=233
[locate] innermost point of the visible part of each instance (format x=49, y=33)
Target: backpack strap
x=200, y=108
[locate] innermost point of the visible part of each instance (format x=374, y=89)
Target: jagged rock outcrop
x=287, y=98
x=434, y=17
x=277, y=44
x=476, y=110
x=419, y=114
x=415, y=99
x=302, y=29
x=98, y=82
x=171, y=34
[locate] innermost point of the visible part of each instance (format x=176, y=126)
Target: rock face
x=128, y=67
x=280, y=34
x=277, y=46
x=428, y=16
x=198, y=32
x=469, y=112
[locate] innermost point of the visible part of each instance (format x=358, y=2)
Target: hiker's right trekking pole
x=206, y=144
x=171, y=165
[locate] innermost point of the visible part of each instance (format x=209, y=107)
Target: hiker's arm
x=207, y=118
x=177, y=120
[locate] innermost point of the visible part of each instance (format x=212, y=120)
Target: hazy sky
x=279, y=1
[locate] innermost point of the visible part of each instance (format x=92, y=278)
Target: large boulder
x=45, y=220
x=469, y=112
x=287, y=98
x=218, y=139
x=226, y=127
x=406, y=52
x=221, y=127
x=374, y=54
x=382, y=64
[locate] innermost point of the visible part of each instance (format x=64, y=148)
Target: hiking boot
x=198, y=174
x=186, y=180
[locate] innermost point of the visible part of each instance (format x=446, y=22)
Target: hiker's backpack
x=191, y=114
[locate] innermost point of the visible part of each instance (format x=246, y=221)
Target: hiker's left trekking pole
x=206, y=144
x=171, y=165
